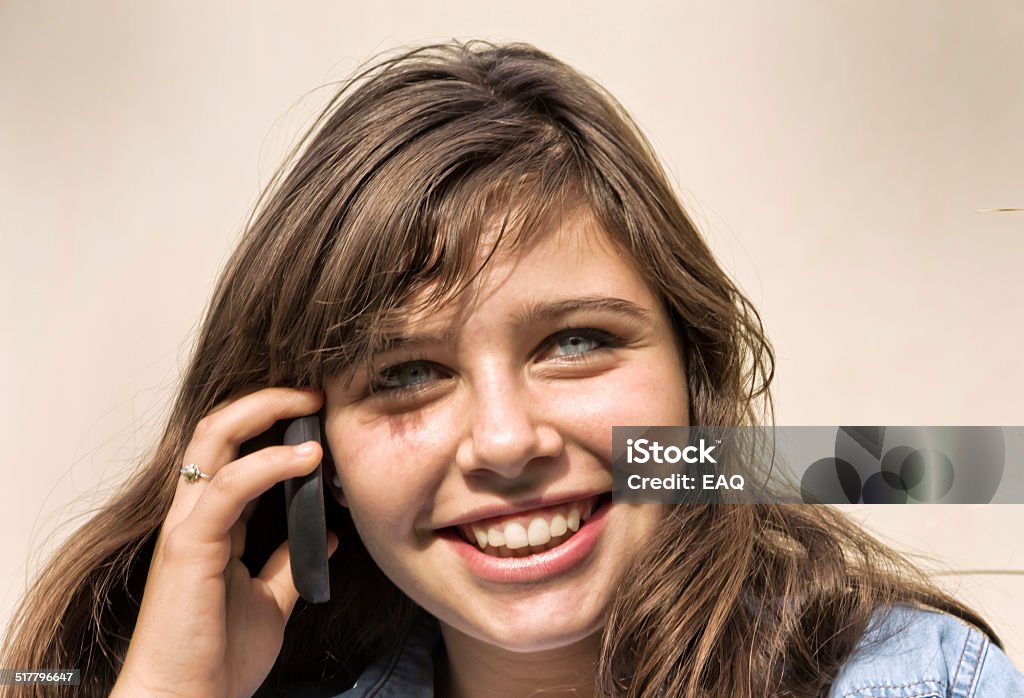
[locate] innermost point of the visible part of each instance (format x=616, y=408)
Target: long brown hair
x=385, y=197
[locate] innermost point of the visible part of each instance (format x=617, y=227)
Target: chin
x=545, y=622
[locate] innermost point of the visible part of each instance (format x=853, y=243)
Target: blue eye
x=576, y=344
x=579, y=342
x=407, y=376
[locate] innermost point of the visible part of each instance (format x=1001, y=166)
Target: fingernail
x=304, y=449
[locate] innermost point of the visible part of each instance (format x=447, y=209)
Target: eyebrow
x=534, y=313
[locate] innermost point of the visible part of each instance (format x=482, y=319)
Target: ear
x=331, y=475
x=336, y=491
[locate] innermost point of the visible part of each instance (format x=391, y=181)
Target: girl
x=473, y=268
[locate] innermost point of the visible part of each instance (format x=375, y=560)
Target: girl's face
x=485, y=434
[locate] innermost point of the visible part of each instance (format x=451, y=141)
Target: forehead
x=568, y=255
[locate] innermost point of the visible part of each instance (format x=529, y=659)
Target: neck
x=475, y=669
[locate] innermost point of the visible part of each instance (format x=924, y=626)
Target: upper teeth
x=535, y=530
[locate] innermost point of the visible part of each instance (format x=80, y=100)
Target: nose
x=506, y=429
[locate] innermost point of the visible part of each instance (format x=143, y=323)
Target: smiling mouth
x=530, y=532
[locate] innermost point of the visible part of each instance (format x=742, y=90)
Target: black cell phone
x=303, y=507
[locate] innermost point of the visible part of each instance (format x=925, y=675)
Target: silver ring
x=191, y=473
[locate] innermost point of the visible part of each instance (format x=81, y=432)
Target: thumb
x=277, y=575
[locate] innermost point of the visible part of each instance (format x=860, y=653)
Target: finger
x=277, y=575
x=218, y=435
x=225, y=497
x=238, y=539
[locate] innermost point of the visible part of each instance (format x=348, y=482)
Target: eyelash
x=605, y=340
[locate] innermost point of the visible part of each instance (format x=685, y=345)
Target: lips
x=563, y=554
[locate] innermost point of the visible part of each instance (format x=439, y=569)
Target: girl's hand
x=206, y=627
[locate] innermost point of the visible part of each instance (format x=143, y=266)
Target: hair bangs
x=424, y=228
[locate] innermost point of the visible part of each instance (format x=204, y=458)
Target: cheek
x=643, y=392
x=387, y=470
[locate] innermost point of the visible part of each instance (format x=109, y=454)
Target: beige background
x=835, y=154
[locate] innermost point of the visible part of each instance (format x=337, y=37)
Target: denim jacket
x=908, y=653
